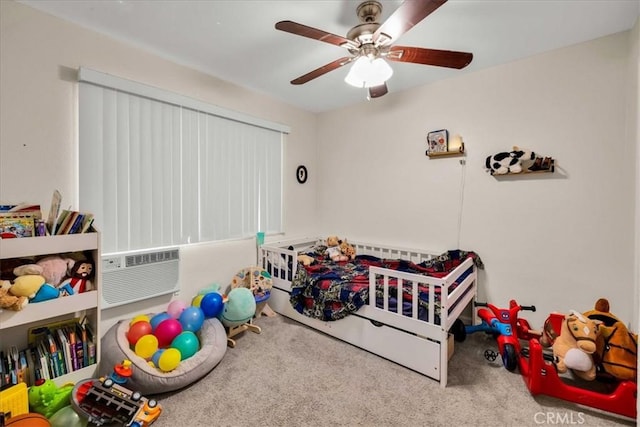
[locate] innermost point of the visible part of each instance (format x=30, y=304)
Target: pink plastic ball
x=166, y=331
x=176, y=308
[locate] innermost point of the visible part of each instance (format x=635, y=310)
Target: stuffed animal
x=347, y=250
x=239, y=307
x=9, y=301
x=333, y=249
x=574, y=346
x=508, y=162
x=306, y=259
x=616, y=354
x=27, y=285
x=80, y=280
x=26, y=269
x=55, y=268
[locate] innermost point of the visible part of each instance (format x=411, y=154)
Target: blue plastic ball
x=156, y=357
x=191, y=319
x=212, y=304
x=157, y=319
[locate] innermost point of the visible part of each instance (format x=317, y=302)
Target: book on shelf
x=4, y=379
x=25, y=220
x=54, y=211
x=77, y=349
x=56, y=361
x=45, y=363
x=33, y=372
x=64, y=348
x=60, y=346
x=19, y=220
x=90, y=338
x=12, y=360
x=73, y=222
x=23, y=367
x=15, y=225
x=45, y=360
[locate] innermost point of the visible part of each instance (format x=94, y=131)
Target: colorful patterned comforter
x=328, y=290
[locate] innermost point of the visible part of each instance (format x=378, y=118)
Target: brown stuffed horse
x=616, y=353
x=573, y=342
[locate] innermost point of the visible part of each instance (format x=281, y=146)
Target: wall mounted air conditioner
x=134, y=276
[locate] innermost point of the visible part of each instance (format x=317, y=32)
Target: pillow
x=150, y=380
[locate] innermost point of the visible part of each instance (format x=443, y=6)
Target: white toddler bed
x=383, y=328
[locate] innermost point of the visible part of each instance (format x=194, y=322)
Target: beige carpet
x=291, y=375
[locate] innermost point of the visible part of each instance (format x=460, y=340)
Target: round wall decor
x=301, y=174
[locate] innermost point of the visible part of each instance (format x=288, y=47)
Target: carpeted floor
x=291, y=375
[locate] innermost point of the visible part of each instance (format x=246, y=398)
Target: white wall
x=559, y=241
x=634, y=130
x=40, y=55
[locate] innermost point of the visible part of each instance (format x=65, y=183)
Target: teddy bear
x=347, y=249
x=508, y=162
x=306, y=259
x=9, y=301
x=333, y=249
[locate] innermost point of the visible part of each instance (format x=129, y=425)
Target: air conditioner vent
x=135, y=276
x=151, y=257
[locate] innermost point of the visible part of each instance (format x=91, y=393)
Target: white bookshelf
x=14, y=325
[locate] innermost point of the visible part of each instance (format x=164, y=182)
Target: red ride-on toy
x=541, y=377
x=505, y=325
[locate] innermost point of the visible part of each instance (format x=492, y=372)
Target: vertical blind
x=156, y=171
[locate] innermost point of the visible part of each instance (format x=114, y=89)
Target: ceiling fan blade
x=322, y=70
x=378, y=91
x=313, y=33
x=406, y=16
x=439, y=58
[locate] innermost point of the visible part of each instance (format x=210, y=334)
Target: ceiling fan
x=370, y=43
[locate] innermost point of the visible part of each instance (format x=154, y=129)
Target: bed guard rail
x=452, y=299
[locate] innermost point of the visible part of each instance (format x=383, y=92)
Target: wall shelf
x=452, y=153
x=551, y=169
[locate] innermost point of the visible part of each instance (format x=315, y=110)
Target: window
x=159, y=169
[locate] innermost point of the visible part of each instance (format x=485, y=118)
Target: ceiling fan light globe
x=366, y=72
x=358, y=72
x=378, y=73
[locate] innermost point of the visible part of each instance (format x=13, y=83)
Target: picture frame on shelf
x=438, y=141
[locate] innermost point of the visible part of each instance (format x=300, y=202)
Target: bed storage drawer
x=419, y=354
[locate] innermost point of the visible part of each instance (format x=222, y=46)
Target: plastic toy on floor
x=540, y=374
x=106, y=401
x=505, y=325
x=46, y=398
x=238, y=313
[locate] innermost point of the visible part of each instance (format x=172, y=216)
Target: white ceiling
x=235, y=40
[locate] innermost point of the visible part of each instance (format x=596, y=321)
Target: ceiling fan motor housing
x=369, y=11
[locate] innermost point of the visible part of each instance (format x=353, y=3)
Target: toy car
x=107, y=402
